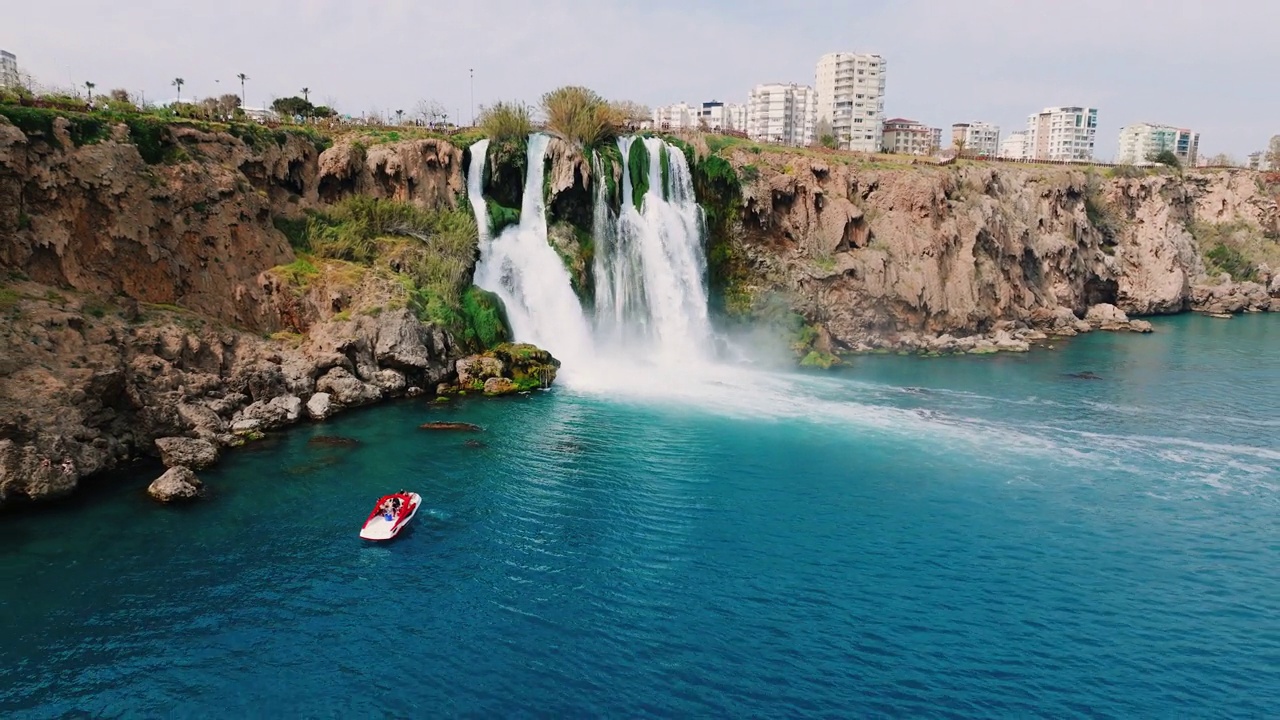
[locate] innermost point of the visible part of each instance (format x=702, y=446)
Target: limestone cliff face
x=97, y=246
x=878, y=256
x=426, y=172
x=194, y=232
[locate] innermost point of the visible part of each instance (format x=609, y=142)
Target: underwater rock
x=333, y=441
x=460, y=426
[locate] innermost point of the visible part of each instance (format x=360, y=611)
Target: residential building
x=8, y=69
x=1256, y=161
x=680, y=116
x=723, y=117
x=979, y=139
x=782, y=113
x=1014, y=146
x=1062, y=133
x=908, y=137
x=1141, y=142
x=850, y=88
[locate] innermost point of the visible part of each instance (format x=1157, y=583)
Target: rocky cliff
x=150, y=304
x=899, y=256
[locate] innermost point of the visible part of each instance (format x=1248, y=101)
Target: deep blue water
x=969, y=537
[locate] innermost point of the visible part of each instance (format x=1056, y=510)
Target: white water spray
x=522, y=268
x=653, y=267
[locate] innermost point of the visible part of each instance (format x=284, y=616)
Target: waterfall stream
x=649, y=267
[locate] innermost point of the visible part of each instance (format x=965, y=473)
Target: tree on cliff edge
x=1273, y=154
x=178, y=83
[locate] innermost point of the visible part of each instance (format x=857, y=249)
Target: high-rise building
x=680, y=116
x=1062, y=133
x=783, y=114
x=979, y=139
x=850, y=89
x=8, y=69
x=1014, y=146
x=723, y=117
x=908, y=137
x=1141, y=142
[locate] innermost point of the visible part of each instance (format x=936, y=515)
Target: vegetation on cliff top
x=150, y=132
x=432, y=252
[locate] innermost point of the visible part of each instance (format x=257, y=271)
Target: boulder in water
x=177, y=484
x=460, y=426
x=475, y=444
x=187, y=452
x=320, y=406
x=333, y=441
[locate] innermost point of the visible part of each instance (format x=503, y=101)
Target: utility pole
x=473, y=96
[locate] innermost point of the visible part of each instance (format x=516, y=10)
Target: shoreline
x=105, y=482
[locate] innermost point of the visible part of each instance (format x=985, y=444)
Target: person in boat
x=387, y=508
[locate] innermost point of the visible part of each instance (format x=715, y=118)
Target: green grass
x=1235, y=248
x=506, y=121
x=1224, y=258
x=8, y=298
x=431, y=252
x=299, y=272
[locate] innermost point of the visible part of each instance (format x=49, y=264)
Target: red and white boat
x=390, y=515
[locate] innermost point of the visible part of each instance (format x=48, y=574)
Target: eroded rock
x=187, y=452
x=177, y=484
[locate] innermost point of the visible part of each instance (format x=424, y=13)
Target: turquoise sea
x=961, y=537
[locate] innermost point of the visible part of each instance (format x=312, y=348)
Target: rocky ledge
x=506, y=369
x=85, y=386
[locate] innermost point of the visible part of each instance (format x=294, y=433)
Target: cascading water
x=651, y=265
x=522, y=269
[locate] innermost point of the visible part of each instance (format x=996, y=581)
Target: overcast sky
x=1213, y=66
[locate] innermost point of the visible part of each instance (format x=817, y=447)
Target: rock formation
x=902, y=257
x=141, y=313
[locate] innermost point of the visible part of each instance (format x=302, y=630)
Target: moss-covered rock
x=506, y=369
x=576, y=249
x=638, y=166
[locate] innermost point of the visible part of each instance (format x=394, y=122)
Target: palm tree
x=88, y=90
x=242, y=77
x=399, y=117
x=178, y=83
x=306, y=94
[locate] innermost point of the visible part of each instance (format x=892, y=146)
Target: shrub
x=1228, y=259
x=506, y=121
x=581, y=116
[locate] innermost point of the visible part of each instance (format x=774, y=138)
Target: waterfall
x=522, y=268
x=475, y=190
x=649, y=267
x=656, y=268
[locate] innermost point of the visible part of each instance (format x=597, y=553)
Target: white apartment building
x=723, y=117
x=850, y=90
x=1014, y=146
x=783, y=114
x=680, y=116
x=1141, y=142
x=1062, y=133
x=980, y=139
x=8, y=69
x=908, y=137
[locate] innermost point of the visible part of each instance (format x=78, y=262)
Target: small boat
x=390, y=515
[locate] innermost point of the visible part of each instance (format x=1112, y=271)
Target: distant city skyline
x=994, y=61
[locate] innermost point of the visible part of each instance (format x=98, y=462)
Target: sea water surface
x=968, y=537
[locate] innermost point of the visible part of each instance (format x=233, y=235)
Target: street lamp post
x=473, y=96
